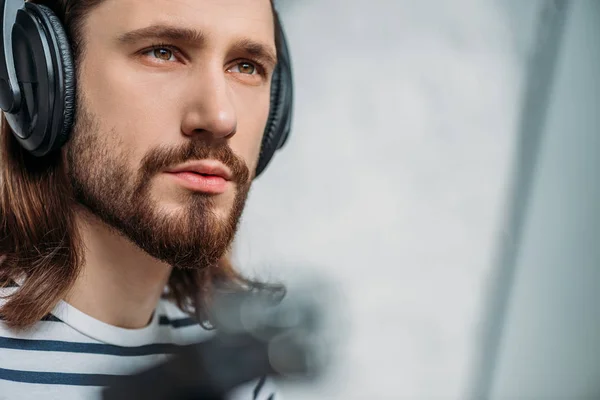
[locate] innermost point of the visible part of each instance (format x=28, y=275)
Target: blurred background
x=395, y=183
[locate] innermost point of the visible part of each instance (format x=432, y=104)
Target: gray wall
x=392, y=183
x=550, y=342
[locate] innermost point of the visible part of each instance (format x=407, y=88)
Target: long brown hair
x=38, y=237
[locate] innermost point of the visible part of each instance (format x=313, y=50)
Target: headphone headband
x=10, y=94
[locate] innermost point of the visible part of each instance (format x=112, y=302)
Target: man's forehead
x=253, y=18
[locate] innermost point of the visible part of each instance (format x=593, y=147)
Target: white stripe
x=47, y=330
x=78, y=363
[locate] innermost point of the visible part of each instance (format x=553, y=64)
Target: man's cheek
x=249, y=150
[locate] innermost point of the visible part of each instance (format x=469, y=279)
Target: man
x=112, y=242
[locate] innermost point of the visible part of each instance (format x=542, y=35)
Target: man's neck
x=119, y=284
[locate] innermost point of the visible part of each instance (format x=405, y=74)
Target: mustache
x=161, y=158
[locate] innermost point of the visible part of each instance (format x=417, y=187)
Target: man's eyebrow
x=265, y=52
x=163, y=32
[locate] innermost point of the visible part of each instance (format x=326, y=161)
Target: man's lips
x=205, y=176
x=204, y=167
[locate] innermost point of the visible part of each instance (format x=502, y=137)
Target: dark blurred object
x=208, y=370
x=257, y=335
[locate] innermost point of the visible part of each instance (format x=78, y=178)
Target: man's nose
x=210, y=108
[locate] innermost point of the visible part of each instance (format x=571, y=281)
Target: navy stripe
x=58, y=378
x=259, y=386
x=176, y=323
x=272, y=396
x=88, y=348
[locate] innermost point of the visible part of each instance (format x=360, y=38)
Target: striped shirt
x=69, y=355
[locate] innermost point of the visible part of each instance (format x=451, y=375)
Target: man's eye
x=161, y=53
x=245, y=68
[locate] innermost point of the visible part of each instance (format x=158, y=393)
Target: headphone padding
x=68, y=73
x=279, y=122
x=268, y=147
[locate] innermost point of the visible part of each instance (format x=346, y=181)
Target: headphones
x=37, y=82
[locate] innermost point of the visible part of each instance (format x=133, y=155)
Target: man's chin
x=180, y=202
x=182, y=213
x=183, y=243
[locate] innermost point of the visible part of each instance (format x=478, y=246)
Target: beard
x=104, y=184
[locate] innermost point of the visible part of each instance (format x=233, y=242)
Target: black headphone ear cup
x=280, y=114
x=68, y=74
x=268, y=146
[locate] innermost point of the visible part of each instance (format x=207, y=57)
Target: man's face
x=164, y=84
